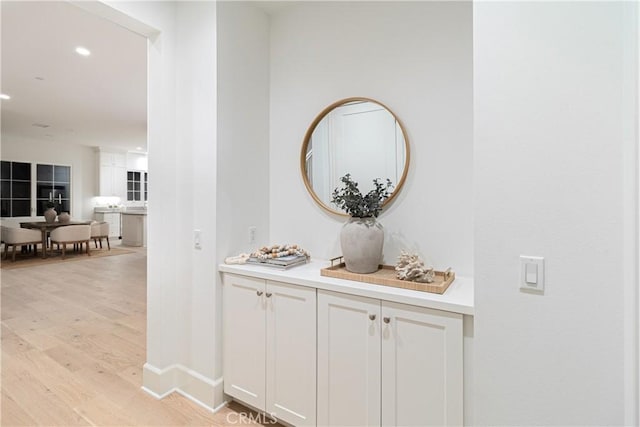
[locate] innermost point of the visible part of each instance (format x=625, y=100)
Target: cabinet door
x=105, y=158
x=113, y=218
x=348, y=360
x=133, y=227
x=422, y=366
x=291, y=353
x=244, y=339
x=106, y=181
x=120, y=182
x=113, y=181
x=120, y=160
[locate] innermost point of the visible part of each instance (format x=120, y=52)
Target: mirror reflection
x=358, y=136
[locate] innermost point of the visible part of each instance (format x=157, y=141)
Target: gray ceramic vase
x=50, y=215
x=64, y=218
x=361, y=240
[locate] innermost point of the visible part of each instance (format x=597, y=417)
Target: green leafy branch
x=350, y=199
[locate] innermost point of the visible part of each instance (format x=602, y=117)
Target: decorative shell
x=410, y=267
x=238, y=259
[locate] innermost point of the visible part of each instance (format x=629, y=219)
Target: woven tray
x=386, y=276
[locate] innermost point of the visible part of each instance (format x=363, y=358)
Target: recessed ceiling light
x=138, y=148
x=83, y=51
x=4, y=96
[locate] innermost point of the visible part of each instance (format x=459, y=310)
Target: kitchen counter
x=106, y=210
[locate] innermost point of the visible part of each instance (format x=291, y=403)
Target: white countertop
x=458, y=298
x=107, y=210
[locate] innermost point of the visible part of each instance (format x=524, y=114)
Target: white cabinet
x=291, y=353
x=113, y=218
x=386, y=363
x=348, y=360
x=422, y=366
x=270, y=347
x=244, y=340
x=310, y=349
x=134, y=229
x=112, y=179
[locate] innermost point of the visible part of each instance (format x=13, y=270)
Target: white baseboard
x=194, y=386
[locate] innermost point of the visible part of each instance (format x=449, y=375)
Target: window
x=53, y=184
x=15, y=191
x=136, y=186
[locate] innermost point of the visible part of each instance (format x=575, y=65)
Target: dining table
x=46, y=227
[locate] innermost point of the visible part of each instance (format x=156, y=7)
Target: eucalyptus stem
x=350, y=199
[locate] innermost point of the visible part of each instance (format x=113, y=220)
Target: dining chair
x=12, y=236
x=76, y=234
x=99, y=231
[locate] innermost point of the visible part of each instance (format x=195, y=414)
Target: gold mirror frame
x=307, y=138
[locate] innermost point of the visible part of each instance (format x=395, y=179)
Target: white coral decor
x=411, y=267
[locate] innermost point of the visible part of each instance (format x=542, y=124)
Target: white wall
x=553, y=109
x=197, y=196
x=243, y=128
x=80, y=158
x=414, y=57
x=182, y=299
x=242, y=190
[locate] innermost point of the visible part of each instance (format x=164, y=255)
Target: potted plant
x=49, y=212
x=362, y=236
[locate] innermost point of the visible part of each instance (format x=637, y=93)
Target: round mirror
x=357, y=136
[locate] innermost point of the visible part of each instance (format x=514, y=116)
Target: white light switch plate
x=532, y=273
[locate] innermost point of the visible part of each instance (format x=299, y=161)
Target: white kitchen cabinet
x=113, y=218
x=386, y=363
x=134, y=229
x=270, y=347
x=112, y=179
x=348, y=360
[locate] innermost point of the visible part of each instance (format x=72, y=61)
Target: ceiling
x=99, y=100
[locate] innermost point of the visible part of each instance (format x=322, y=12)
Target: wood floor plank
x=94, y=346
x=12, y=342
x=52, y=375
x=70, y=357
x=35, y=398
x=132, y=374
x=125, y=332
x=29, y=319
x=13, y=415
x=41, y=339
x=102, y=412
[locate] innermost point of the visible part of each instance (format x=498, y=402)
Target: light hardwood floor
x=73, y=346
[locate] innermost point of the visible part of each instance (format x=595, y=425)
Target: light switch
x=532, y=273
